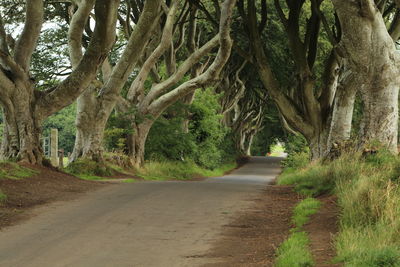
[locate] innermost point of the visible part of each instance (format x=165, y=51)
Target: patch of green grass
x=309, y=182
x=368, y=246
x=303, y=211
x=368, y=191
x=12, y=170
x=3, y=197
x=175, y=170
x=129, y=181
x=90, y=177
x=89, y=170
x=294, y=252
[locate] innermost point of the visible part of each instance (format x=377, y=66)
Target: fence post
x=54, y=147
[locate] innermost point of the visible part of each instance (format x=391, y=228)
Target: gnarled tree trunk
x=21, y=137
x=137, y=142
x=24, y=106
x=95, y=108
x=91, y=119
x=374, y=60
x=342, y=114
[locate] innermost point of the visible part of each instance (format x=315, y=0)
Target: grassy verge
x=14, y=171
x=11, y=170
x=169, y=170
x=89, y=170
x=295, y=252
x=368, y=191
x=161, y=171
x=3, y=197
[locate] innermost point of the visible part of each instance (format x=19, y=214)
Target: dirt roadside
x=45, y=187
x=253, y=237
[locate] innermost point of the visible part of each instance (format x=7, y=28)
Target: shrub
x=86, y=168
x=297, y=160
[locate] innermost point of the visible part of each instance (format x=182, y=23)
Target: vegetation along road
x=138, y=224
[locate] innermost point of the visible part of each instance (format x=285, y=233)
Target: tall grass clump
x=295, y=252
x=368, y=191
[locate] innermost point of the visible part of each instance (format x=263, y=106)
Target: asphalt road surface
x=139, y=224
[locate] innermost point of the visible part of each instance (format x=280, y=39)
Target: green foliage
x=89, y=170
x=3, y=197
x=167, y=140
x=295, y=144
x=304, y=210
x=270, y=134
x=207, y=131
x=175, y=170
x=207, y=143
x=11, y=170
x=64, y=121
x=297, y=160
x=368, y=191
x=294, y=252
x=118, y=129
x=51, y=59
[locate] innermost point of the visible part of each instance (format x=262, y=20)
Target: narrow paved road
x=162, y=224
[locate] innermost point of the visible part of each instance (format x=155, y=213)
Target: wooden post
x=54, y=147
x=61, y=159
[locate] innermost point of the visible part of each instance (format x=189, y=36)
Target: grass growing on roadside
x=368, y=191
x=303, y=211
x=295, y=252
x=3, y=197
x=178, y=170
x=11, y=170
x=89, y=170
x=90, y=177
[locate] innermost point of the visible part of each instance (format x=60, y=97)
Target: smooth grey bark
x=374, y=60
x=96, y=104
x=342, y=114
x=24, y=106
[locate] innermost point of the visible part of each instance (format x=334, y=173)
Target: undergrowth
x=179, y=170
x=368, y=191
x=152, y=170
x=89, y=170
x=12, y=170
x=3, y=197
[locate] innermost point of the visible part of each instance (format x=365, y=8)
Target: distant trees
x=318, y=100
